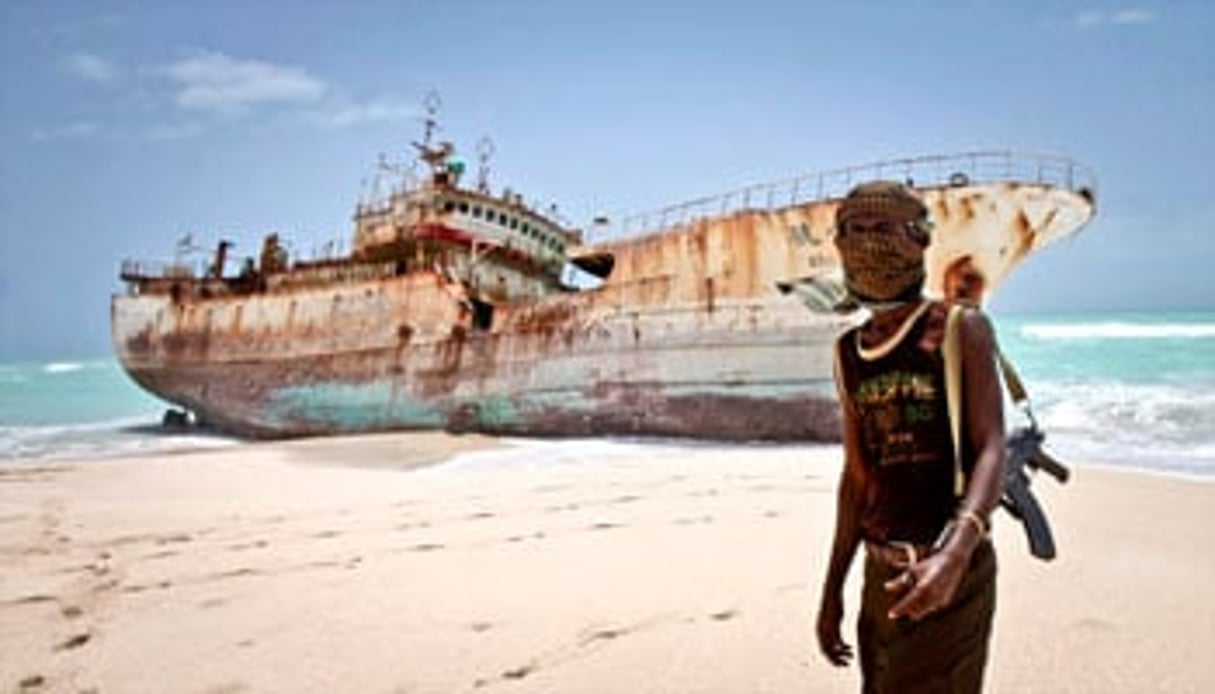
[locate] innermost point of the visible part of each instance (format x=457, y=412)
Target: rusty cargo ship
x=455, y=308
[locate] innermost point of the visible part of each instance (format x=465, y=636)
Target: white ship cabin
x=497, y=244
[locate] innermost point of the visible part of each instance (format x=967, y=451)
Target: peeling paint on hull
x=580, y=382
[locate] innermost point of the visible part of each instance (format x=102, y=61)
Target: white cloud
x=90, y=67
x=70, y=131
x=217, y=83
x=376, y=110
x=1133, y=16
x=172, y=132
x=1089, y=19
x=214, y=83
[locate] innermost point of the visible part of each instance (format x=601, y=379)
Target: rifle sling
x=951, y=351
x=952, y=354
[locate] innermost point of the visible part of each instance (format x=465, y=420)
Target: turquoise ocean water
x=1133, y=390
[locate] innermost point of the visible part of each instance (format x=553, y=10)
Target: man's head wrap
x=884, y=199
x=882, y=266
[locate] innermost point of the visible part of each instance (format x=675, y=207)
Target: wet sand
x=360, y=565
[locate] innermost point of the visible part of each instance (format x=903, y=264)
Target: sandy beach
x=368, y=565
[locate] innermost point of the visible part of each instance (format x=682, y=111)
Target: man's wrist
x=962, y=537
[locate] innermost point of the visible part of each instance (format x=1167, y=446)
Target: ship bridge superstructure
x=500, y=246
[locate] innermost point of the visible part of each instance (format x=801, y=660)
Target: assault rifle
x=1024, y=445
x=1025, y=451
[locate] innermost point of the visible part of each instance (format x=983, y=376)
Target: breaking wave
x=61, y=367
x=119, y=437
x=1117, y=330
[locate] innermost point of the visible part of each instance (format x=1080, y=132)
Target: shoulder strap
x=1012, y=381
x=951, y=351
x=840, y=385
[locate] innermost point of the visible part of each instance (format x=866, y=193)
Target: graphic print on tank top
x=896, y=408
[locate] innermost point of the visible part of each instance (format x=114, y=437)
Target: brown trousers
x=943, y=653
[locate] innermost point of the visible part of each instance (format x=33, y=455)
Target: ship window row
x=501, y=218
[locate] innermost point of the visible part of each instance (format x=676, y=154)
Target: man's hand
x=927, y=585
x=830, y=614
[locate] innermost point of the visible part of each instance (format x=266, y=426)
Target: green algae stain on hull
x=332, y=406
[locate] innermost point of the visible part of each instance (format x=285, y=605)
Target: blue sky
x=125, y=125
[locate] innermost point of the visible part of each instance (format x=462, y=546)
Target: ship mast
x=435, y=156
x=485, y=150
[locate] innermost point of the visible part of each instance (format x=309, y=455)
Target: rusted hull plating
x=689, y=337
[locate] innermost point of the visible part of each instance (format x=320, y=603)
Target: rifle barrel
x=1041, y=460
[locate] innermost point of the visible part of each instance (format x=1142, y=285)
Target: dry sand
x=639, y=568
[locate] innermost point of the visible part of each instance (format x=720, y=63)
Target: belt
x=899, y=555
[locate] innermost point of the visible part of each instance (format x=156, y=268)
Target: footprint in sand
x=602, y=635
x=142, y=587
x=235, y=573
x=426, y=547
x=521, y=538
x=32, y=599
x=519, y=672
x=604, y=525
x=74, y=641
x=174, y=538
x=244, y=546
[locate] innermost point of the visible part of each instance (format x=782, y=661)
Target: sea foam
x=1117, y=330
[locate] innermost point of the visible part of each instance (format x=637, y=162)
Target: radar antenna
x=485, y=150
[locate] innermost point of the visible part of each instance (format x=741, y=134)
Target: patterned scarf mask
x=880, y=266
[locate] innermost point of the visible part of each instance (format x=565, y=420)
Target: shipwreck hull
x=694, y=334
x=340, y=397
x=566, y=367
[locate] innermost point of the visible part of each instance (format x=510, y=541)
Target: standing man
x=929, y=587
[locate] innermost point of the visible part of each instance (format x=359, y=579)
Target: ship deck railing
x=953, y=170
x=140, y=270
